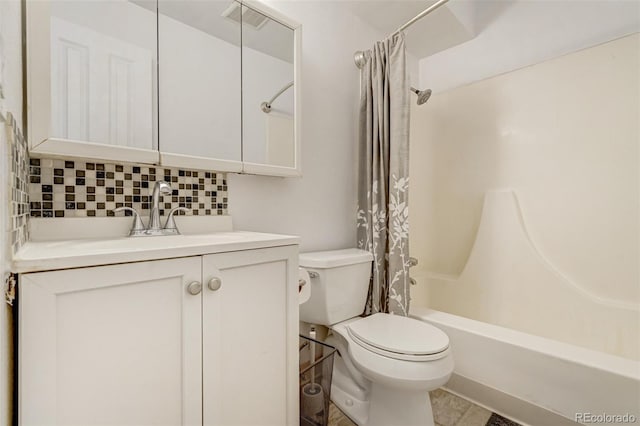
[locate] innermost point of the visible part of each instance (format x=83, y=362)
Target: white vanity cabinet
x=200, y=340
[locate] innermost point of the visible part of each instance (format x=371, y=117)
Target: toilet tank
x=339, y=291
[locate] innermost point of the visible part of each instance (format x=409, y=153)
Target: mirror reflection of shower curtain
x=383, y=185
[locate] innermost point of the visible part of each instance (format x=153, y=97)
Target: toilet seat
x=399, y=337
x=380, y=367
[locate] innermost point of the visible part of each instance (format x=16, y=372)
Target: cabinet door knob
x=215, y=283
x=194, y=288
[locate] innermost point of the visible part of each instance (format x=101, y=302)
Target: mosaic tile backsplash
x=72, y=188
x=19, y=196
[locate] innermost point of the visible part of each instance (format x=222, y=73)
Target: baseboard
x=506, y=405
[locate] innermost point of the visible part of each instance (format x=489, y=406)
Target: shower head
x=423, y=95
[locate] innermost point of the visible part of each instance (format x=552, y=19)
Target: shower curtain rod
x=266, y=106
x=359, y=58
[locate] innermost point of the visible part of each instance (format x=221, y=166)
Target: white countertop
x=51, y=255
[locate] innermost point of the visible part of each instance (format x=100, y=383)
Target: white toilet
x=387, y=363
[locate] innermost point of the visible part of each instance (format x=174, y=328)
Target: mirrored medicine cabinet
x=204, y=84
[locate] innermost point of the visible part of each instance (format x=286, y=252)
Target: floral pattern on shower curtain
x=383, y=186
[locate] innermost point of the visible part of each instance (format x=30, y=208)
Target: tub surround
x=572, y=159
x=529, y=376
x=505, y=260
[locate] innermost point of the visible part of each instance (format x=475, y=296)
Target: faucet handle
x=170, y=224
x=138, y=227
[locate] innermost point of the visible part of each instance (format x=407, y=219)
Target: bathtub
x=534, y=380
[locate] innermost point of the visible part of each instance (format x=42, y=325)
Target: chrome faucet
x=138, y=229
x=154, y=218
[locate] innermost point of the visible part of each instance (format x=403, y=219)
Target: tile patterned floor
x=448, y=410
x=337, y=418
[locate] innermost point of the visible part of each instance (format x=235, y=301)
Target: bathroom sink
x=49, y=255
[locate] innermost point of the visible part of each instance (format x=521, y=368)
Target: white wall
x=320, y=206
x=10, y=35
x=516, y=33
x=565, y=135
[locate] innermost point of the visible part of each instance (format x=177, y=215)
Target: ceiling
x=273, y=38
x=525, y=32
x=447, y=26
x=469, y=40
x=459, y=21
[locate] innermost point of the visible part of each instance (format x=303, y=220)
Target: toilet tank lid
x=334, y=258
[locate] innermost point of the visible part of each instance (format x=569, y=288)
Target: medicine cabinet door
x=199, y=45
x=92, y=79
x=270, y=85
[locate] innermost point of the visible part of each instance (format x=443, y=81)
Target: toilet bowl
x=387, y=364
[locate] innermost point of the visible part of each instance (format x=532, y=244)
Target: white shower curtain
x=383, y=222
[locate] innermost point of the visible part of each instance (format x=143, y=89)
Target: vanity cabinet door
x=111, y=345
x=250, y=352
